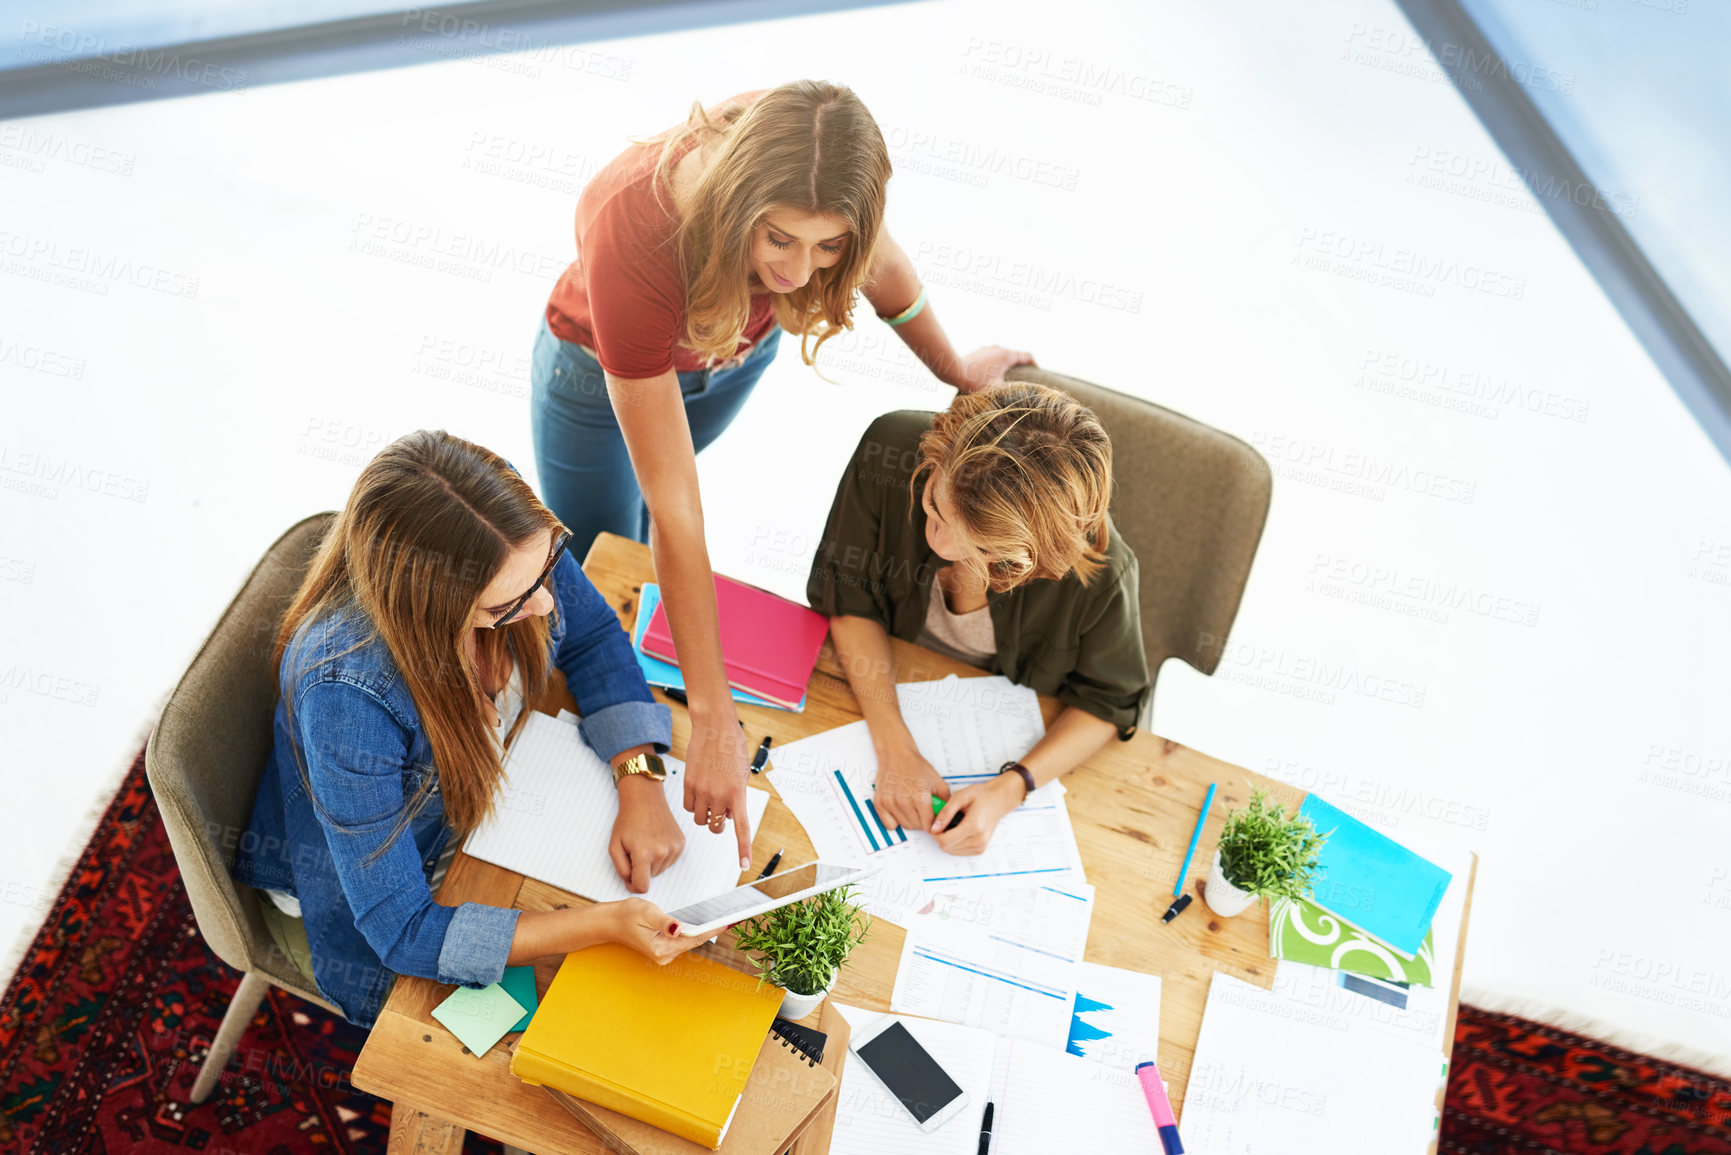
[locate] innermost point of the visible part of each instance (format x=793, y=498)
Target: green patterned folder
x=1301, y=931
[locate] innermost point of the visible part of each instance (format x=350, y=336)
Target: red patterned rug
x=105, y=1023
x=1520, y=1086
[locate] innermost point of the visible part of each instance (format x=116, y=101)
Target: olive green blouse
x=1082, y=644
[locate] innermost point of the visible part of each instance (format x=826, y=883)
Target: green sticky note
x=479, y=1018
x=519, y=983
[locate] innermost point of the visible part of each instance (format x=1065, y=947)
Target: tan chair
x=204, y=761
x=1191, y=502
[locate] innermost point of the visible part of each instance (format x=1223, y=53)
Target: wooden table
x=1133, y=806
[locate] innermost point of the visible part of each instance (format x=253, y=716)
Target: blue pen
x=1180, y=901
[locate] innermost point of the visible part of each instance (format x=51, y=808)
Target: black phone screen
x=909, y=1071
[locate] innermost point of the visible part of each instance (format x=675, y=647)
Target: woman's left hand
x=646, y=840
x=982, y=804
x=985, y=367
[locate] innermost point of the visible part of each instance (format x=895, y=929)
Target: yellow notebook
x=672, y=1046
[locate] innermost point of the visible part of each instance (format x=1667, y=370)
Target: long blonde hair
x=809, y=146
x=428, y=525
x=1029, y=469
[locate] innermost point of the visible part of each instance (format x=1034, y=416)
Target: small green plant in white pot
x=801, y=947
x=1263, y=850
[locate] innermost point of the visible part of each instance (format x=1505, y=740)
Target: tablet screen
x=726, y=906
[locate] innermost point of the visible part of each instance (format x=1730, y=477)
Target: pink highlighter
x=1154, y=1090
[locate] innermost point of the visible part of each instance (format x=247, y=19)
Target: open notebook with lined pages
x=555, y=816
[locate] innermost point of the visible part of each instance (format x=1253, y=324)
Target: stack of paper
x=994, y=940
x=1268, y=1076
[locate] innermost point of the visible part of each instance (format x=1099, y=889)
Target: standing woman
x=694, y=250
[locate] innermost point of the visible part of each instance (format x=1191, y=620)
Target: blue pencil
x=1195, y=837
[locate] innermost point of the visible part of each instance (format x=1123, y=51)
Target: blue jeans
x=586, y=474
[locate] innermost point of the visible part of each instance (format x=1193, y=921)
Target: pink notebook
x=769, y=645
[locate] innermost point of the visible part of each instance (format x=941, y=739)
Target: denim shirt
x=366, y=756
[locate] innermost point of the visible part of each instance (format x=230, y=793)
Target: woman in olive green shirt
x=982, y=532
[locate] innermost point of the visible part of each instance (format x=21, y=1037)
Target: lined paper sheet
x=1269, y=1074
x=1049, y=1101
x=965, y=977
x=871, y=1121
x=555, y=816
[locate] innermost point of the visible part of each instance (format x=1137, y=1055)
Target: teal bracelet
x=908, y=313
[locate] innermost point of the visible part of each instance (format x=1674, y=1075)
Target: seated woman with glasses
x=982, y=533
x=440, y=603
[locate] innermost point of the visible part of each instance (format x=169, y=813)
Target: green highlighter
x=938, y=805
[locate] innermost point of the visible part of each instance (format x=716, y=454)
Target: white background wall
x=1207, y=205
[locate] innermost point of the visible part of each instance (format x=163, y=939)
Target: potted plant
x=802, y=946
x=1263, y=850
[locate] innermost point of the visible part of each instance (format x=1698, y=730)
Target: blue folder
x=1372, y=881
x=665, y=674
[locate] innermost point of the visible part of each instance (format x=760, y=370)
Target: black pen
x=758, y=763
x=986, y=1131
x=676, y=695
x=774, y=861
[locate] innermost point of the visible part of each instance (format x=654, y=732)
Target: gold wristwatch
x=646, y=764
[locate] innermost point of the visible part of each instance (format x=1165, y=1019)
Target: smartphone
x=892, y=1053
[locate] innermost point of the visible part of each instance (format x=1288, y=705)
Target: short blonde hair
x=1029, y=469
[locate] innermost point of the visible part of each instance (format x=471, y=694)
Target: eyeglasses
x=504, y=619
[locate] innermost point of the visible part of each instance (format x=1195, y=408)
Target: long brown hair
x=809, y=146
x=428, y=525
x=1029, y=469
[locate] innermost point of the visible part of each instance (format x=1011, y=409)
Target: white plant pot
x=799, y=1006
x=1222, y=897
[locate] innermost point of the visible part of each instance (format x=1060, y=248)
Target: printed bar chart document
x=967, y=728
x=966, y=977
x=1115, y=1019
x=1050, y=917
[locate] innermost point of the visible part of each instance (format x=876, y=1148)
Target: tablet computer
x=710, y=915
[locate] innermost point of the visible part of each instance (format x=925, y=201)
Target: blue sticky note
x=479, y=1018
x=519, y=983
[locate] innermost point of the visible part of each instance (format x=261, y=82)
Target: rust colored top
x=623, y=296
